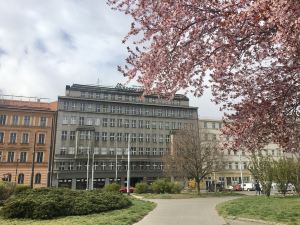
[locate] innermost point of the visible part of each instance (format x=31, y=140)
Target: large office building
x=94, y=124
x=26, y=140
x=235, y=162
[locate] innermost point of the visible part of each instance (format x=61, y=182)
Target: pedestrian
x=257, y=188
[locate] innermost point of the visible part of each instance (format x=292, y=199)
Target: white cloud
x=47, y=45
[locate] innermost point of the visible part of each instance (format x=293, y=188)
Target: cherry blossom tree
x=250, y=49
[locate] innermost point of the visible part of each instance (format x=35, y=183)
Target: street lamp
x=33, y=161
x=128, y=167
x=241, y=170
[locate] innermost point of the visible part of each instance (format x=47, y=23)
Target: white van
x=249, y=187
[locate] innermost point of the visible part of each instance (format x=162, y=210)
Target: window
x=127, y=110
x=65, y=120
x=72, y=135
x=82, y=135
x=70, y=166
x=236, y=165
x=43, y=121
x=141, y=151
x=161, y=138
x=147, y=137
x=160, y=125
x=73, y=119
x=13, y=138
x=73, y=105
x=168, y=138
x=167, y=126
x=61, y=166
x=119, y=123
x=106, y=96
x=112, y=122
x=21, y=178
x=133, y=137
x=39, y=157
x=105, y=108
x=133, y=123
x=161, y=151
x=15, y=120
x=81, y=121
x=82, y=106
x=112, y=136
x=97, y=122
x=26, y=120
x=89, y=121
x=1, y=137
x=119, y=136
x=173, y=125
x=205, y=124
x=104, y=122
x=154, y=138
x=141, y=123
x=41, y=139
x=23, y=157
x=10, y=156
x=153, y=125
x=141, y=138
x=244, y=165
x=147, y=151
x=98, y=108
x=38, y=178
x=64, y=135
x=179, y=125
x=65, y=105
x=113, y=109
x=119, y=109
x=2, y=119
x=97, y=136
x=126, y=125
x=154, y=151
x=104, y=136
x=25, y=138
x=89, y=106
x=230, y=165
x=126, y=136
x=63, y=150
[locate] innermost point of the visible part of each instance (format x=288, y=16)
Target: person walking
x=257, y=188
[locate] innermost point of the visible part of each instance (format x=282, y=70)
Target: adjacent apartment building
x=235, y=162
x=26, y=140
x=94, y=125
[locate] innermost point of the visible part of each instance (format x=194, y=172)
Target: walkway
x=197, y=211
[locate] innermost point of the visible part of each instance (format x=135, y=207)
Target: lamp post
x=241, y=171
x=33, y=161
x=17, y=170
x=128, y=167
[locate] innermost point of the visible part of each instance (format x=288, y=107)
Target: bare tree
x=193, y=155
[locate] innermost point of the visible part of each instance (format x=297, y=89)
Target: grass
x=188, y=195
x=274, y=209
x=117, y=217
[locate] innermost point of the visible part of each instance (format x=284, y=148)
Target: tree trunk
x=198, y=186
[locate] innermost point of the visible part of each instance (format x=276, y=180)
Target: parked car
x=234, y=187
x=124, y=190
x=249, y=187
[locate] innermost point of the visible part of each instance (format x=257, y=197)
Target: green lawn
x=117, y=217
x=188, y=195
x=275, y=209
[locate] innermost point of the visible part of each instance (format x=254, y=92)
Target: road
x=197, y=211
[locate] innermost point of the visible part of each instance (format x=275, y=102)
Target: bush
x=142, y=188
x=6, y=190
x=164, y=186
x=48, y=203
x=113, y=187
x=20, y=188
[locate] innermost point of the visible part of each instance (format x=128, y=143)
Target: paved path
x=197, y=211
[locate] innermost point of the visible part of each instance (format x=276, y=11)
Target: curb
x=253, y=220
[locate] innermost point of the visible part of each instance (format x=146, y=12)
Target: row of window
x=212, y=125
x=237, y=165
x=105, y=136
x=21, y=178
x=113, y=151
x=128, y=110
x=24, y=138
x=126, y=123
x=17, y=120
x=22, y=158
x=104, y=165
x=127, y=98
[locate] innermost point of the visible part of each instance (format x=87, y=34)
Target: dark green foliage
x=8, y=188
x=142, y=187
x=113, y=187
x=161, y=186
x=48, y=203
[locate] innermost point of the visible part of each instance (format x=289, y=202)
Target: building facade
x=26, y=141
x=95, y=124
x=235, y=162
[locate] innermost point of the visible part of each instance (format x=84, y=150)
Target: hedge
x=48, y=203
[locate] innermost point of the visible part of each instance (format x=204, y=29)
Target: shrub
x=48, y=203
x=113, y=187
x=6, y=190
x=20, y=187
x=142, y=187
x=164, y=186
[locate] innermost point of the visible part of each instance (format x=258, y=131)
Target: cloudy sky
x=45, y=45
